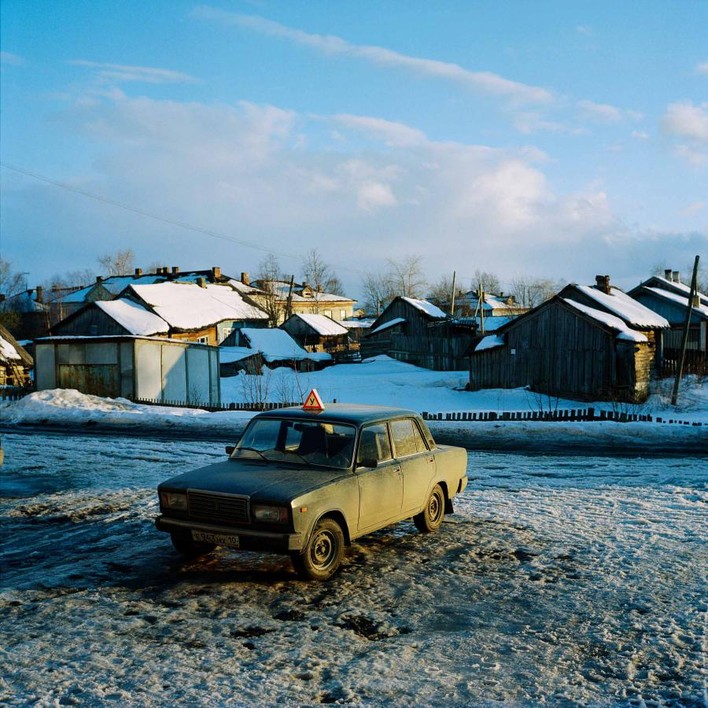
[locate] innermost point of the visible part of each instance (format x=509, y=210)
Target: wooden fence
x=555, y=416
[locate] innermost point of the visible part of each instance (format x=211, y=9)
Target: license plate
x=218, y=539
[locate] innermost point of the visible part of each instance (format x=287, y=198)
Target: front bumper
x=249, y=539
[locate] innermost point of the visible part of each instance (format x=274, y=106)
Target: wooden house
x=669, y=297
x=584, y=343
x=284, y=300
x=420, y=333
x=15, y=362
x=192, y=312
x=318, y=333
x=278, y=348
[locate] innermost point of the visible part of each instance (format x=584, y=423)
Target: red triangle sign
x=313, y=402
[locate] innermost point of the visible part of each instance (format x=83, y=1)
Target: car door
x=379, y=478
x=416, y=460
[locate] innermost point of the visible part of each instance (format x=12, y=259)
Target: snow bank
x=385, y=381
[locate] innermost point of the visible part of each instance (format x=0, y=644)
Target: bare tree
x=11, y=282
x=406, y=276
x=118, y=263
x=376, y=289
x=488, y=282
x=319, y=274
x=269, y=280
x=440, y=293
x=529, y=291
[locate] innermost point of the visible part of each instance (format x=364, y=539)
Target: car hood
x=256, y=479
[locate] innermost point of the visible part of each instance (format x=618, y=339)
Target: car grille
x=227, y=509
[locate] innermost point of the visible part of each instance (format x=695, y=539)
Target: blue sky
x=543, y=139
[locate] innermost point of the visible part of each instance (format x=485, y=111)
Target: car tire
x=434, y=512
x=323, y=554
x=188, y=547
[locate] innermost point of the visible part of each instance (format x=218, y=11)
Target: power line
x=143, y=212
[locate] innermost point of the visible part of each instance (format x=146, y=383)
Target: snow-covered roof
x=227, y=355
x=427, y=307
x=676, y=286
x=322, y=324
x=491, y=324
x=624, y=332
x=135, y=318
x=358, y=324
x=282, y=290
x=491, y=341
x=189, y=306
x=622, y=305
x=8, y=351
x=678, y=299
x=274, y=344
x=386, y=325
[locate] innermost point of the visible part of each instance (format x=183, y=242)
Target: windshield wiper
x=253, y=449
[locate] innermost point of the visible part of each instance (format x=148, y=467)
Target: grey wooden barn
x=572, y=349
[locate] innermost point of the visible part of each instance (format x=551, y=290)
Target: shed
x=134, y=367
x=420, y=333
x=278, y=348
x=318, y=333
x=669, y=298
x=566, y=348
x=15, y=362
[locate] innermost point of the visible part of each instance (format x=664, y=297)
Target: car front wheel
x=432, y=515
x=323, y=554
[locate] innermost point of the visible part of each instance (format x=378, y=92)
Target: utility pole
x=452, y=295
x=684, y=344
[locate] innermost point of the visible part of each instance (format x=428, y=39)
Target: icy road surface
x=559, y=579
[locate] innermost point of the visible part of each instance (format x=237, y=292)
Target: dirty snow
x=561, y=579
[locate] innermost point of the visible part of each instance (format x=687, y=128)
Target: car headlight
x=173, y=500
x=268, y=514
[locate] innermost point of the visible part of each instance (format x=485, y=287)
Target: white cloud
x=482, y=81
x=602, y=112
x=693, y=208
x=702, y=68
x=686, y=120
x=125, y=73
x=259, y=177
x=392, y=133
x=640, y=135
x=688, y=123
x=9, y=59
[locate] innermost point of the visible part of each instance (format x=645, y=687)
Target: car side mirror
x=368, y=463
x=230, y=449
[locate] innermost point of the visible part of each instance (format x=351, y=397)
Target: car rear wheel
x=432, y=515
x=188, y=547
x=323, y=554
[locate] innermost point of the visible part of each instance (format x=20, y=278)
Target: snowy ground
x=569, y=580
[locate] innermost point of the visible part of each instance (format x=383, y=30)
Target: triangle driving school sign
x=313, y=402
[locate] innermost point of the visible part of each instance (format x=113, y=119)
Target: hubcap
x=322, y=549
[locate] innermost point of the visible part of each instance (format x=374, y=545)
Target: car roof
x=353, y=413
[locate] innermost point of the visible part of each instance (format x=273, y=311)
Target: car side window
x=374, y=444
x=407, y=439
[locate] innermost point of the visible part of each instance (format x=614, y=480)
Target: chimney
x=138, y=272
x=216, y=273
x=39, y=296
x=677, y=277
x=667, y=275
x=99, y=279
x=201, y=282
x=245, y=279
x=175, y=270
x=602, y=283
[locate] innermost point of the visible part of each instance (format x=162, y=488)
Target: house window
x=342, y=314
x=203, y=340
x=328, y=313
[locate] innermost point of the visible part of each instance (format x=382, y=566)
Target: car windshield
x=298, y=441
